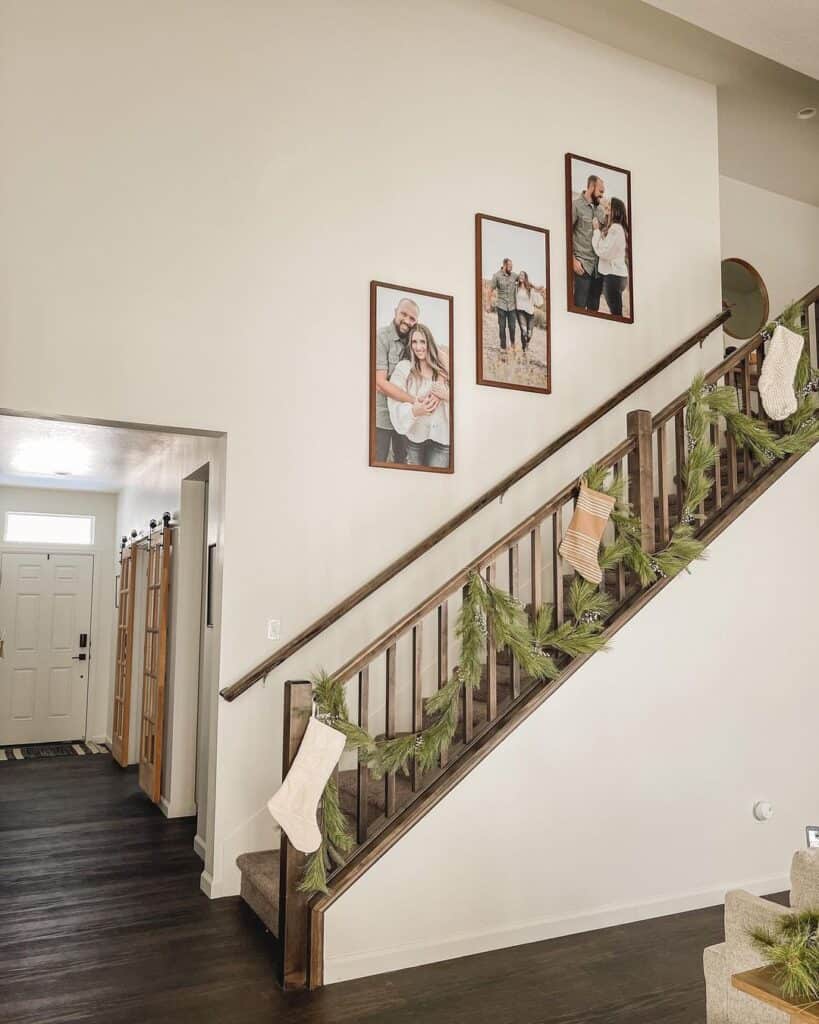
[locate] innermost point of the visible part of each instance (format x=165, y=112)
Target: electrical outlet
x=274, y=629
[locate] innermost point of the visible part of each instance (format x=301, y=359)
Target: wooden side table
x=761, y=985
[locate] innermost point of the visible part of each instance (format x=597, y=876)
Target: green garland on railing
x=535, y=646
x=800, y=432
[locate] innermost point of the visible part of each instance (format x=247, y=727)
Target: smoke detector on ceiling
x=806, y=113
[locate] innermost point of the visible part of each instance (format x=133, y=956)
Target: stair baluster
x=363, y=775
x=641, y=473
x=663, y=524
x=417, y=696
x=389, y=729
x=557, y=565
x=514, y=590
x=443, y=657
x=731, y=453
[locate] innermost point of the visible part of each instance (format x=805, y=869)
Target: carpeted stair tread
x=260, y=885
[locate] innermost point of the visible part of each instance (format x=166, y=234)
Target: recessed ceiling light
x=806, y=113
x=40, y=457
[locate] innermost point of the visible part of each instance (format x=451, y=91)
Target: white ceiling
x=33, y=453
x=786, y=31
x=761, y=141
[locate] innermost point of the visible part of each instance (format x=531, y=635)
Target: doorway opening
x=110, y=601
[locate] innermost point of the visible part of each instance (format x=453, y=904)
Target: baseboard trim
x=213, y=890
x=360, y=965
x=199, y=847
x=176, y=810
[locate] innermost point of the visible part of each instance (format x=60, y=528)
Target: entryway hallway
x=102, y=919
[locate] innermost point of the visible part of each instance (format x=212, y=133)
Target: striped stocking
x=582, y=540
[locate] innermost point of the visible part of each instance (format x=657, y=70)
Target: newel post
x=293, y=911
x=641, y=473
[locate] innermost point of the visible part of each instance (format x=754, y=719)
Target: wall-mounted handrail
x=366, y=589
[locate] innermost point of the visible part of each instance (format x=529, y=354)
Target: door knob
x=79, y=657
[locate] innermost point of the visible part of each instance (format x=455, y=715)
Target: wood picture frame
x=409, y=447
x=582, y=164
x=526, y=364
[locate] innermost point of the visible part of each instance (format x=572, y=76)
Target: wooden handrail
x=366, y=589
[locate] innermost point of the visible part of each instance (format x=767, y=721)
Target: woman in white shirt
x=611, y=245
x=526, y=301
x=424, y=422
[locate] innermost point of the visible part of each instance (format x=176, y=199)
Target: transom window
x=44, y=528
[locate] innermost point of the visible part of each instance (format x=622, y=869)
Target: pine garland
x=801, y=430
x=336, y=842
x=535, y=647
x=793, y=950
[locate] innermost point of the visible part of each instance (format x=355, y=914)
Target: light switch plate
x=274, y=629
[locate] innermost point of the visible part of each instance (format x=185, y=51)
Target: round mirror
x=745, y=294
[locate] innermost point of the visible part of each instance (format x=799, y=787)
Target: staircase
x=388, y=681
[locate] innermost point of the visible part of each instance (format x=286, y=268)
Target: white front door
x=45, y=609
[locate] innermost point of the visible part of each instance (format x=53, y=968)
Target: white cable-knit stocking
x=295, y=803
x=778, y=371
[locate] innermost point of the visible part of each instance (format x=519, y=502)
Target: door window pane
x=40, y=528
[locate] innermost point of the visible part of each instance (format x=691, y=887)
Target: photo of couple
x=411, y=379
x=512, y=304
x=598, y=231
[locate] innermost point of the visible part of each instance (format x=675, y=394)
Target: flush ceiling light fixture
x=50, y=456
x=806, y=113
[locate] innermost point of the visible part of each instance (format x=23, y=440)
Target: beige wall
x=777, y=235
x=195, y=198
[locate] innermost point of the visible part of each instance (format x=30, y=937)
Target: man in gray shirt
x=390, y=348
x=504, y=285
x=588, y=282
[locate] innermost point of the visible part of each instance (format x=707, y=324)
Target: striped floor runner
x=35, y=750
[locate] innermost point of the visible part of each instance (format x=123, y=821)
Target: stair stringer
x=629, y=793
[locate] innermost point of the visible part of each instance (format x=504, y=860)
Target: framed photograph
x=812, y=833
x=600, y=268
x=512, y=305
x=411, y=375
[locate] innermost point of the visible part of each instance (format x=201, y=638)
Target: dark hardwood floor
x=102, y=920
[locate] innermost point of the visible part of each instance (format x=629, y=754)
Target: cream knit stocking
x=294, y=805
x=778, y=371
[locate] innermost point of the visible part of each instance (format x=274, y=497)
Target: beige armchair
x=743, y=912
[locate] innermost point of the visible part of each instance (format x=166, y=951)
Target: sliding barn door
x=156, y=656
x=125, y=647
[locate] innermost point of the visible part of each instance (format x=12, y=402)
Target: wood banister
x=233, y=691
x=504, y=700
